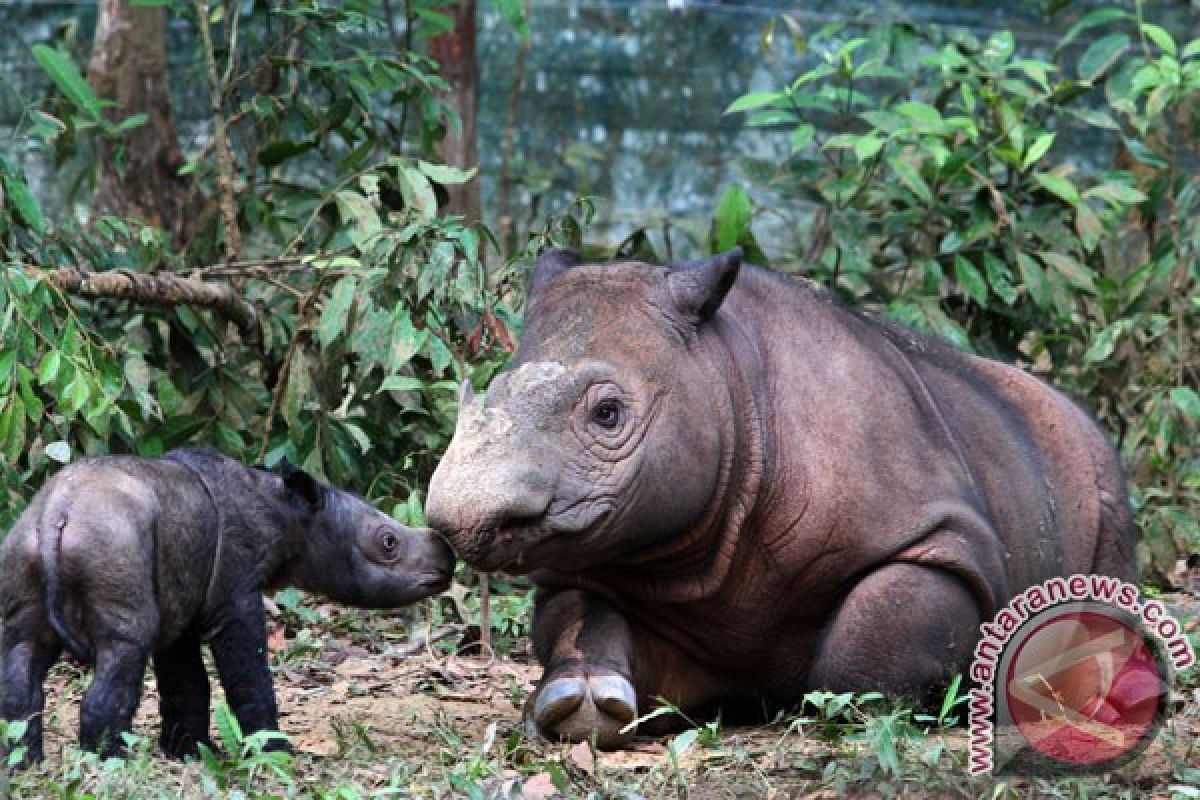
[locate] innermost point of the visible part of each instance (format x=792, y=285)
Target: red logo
x=1085, y=688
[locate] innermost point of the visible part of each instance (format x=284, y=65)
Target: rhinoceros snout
x=481, y=513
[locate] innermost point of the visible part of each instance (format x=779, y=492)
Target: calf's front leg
x=183, y=694
x=239, y=649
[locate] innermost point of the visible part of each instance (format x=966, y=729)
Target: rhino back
x=879, y=436
x=136, y=544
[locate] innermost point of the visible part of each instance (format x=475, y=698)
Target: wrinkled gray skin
x=122, y=559
x=730, y=491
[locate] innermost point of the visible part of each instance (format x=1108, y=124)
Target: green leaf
x=514, y=14
x=446, y=175
x=1088, y=226
x=802, y=136
x=131, y=122
x=48, y=370
x=1160, y=37
x=682, y=743
x=281, y=150
x=357, y=212
x=1191, y=50
x=911, y=177
x=228, y=728
x=75, y=395
x=1034, y=280
x=1101, y=55
x=1038, y=149
x=921, y=113
x=969, y=278
x=1076, y=274
x=66, y=76
x=754, y=100
x=418, y=193
x=406, y=340
x=1116, y=193
x=1092, y=19
x=401, y=383
x=59, y=451
x=867, y=146
x=336, y=311
x=1105, y=341
x=998, y=279
x=22, y=201
x=1059, y=186
x=1138, y=149
x=999, y=47
x=732, y=217
x=1187, y=401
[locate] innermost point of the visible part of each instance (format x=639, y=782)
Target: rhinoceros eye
x=389, y=543
x=607, y=413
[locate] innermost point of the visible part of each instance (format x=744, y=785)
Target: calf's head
x=607, y=432
x=353, y=553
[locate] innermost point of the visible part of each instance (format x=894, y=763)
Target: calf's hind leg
x=110, y=702
x=902, y=628
x=183, y=693
x=27, y=651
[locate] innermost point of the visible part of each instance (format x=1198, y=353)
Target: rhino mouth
x=518, y=548
x=438, y=581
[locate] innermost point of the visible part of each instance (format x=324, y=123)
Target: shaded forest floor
x=373, y=717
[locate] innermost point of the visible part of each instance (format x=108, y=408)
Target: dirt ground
x=376, y=713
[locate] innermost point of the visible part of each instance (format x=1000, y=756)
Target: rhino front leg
x=183, y=692
x=111, y=701
x=27, y=651
x=240, y=652
x=902, y=628
x=587, y=684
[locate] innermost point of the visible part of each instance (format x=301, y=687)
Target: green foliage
x=941, y=191
x=11, y=752
x=248, y=760
x=372, y=305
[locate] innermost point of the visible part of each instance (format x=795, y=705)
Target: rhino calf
x=122, y=559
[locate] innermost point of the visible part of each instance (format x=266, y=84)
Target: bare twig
x=226, y=170
x=485, y=614
x=507, y=223
x=157, y=288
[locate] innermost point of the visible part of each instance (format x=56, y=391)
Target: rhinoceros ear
x=550, y=265
x=697, y=288
x=301, y=485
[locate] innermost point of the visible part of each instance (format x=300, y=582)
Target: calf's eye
x=389, y=542
x=607, y=414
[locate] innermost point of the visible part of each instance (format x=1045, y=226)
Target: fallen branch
x=156, y=288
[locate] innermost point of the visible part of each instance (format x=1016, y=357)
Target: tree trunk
x=455, y=53
x=139, y=175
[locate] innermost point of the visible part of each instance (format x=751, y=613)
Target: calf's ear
x=302, y=486
x=698, y=288
x=550, y=265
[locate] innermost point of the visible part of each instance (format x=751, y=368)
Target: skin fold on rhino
x=122, y=560
x=730, y=490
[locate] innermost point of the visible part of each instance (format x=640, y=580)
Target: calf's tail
x=50, y=543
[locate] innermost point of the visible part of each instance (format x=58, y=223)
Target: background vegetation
x=304, y=280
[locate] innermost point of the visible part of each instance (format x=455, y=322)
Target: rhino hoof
x=577, y=708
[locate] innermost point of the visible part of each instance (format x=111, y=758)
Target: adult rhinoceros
x=729, y=489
